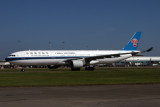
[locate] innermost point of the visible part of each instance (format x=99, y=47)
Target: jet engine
x=76, y=64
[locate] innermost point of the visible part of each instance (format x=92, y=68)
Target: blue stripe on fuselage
x=31, y=58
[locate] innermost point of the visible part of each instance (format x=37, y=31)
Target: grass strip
x=65, y=77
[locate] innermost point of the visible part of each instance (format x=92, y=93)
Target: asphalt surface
x=82, y=96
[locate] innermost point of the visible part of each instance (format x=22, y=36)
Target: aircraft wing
x=101, y=56
x=108, y=56
x=116, y=55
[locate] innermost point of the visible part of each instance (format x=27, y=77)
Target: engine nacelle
x=77, y=64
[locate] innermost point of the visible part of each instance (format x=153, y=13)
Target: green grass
x=65, y=77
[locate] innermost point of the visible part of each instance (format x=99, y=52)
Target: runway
x=82, y=96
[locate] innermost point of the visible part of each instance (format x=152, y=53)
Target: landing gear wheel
x=89, y=68
x=75, y=69
x=22, y=70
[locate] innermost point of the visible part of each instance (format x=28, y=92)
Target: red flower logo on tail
x=135, y=42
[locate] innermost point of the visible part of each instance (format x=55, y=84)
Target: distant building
x=142, y=61
x=4, y=64
x=143, y=58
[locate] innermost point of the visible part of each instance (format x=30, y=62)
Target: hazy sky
x=80, y=24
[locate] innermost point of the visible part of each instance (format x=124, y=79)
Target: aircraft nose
x=7, y=59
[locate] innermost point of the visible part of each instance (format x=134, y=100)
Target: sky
x=78, y=24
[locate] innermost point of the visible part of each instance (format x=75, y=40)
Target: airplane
x=76, y=59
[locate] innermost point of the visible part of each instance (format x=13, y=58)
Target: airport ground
x=104, y=87
x=146, y=95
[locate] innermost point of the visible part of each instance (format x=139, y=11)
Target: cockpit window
x=12, y=55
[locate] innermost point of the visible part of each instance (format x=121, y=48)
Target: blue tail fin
x=133, y=43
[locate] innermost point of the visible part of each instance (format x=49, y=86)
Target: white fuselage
x=59, y=57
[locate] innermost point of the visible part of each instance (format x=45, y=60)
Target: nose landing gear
x=22, y=70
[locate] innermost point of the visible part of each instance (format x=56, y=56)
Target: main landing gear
x=75, y=69
x=89, y=68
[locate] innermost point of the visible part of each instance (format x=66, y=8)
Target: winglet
x=148, y=50
x=133, y=43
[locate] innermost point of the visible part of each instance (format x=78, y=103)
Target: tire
x=75, y=69
x=89, y=68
